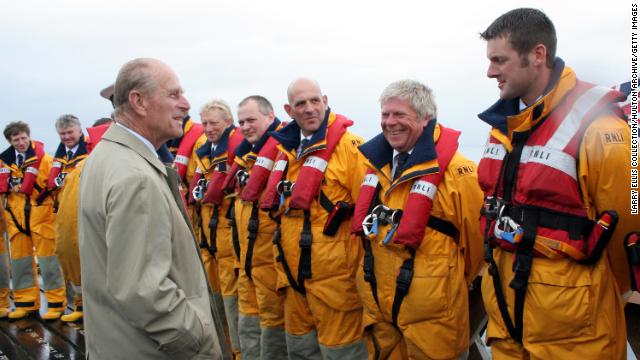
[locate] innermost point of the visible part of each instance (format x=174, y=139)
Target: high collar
x=506, y=117
x=289, y=136
x=61, y=152
x=221, y=146
x=380, y=153
x=9, y=155
x=122, y=136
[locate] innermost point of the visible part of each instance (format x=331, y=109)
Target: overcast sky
x=58, y=55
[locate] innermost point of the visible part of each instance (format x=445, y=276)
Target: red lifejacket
x=547, y=177
x=312, y=171
x=31, y=172
x=58, y=164
x=419, y=203
x=95, y=135
x=260, y=171
x=186, y=147
x=5, y=176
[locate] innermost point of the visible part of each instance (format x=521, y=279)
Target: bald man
x=323, y=315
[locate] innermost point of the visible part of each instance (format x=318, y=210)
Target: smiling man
x=213, y=225
x=417, y=217
x=261, y=305
x=145, y=289
x=554, y=177
x=317, y=177
x=69, y=157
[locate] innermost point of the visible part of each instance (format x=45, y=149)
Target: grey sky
x=57, y=55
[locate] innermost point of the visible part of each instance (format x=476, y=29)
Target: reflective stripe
x=316, y=163
x=424, y=188
x=494, y=151
x=280, y=165
x=370, y=180
x=32, y=170
x=56, y=164
x=264, y=162
x=23, y=276
x=51, y=274
x=4, y=269
x=231, y=312
x=554, y=158
x=5, y=170
x=181, y=159
x=573, y=120
x=77, y=289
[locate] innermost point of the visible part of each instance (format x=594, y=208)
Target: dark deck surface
x=34, y=338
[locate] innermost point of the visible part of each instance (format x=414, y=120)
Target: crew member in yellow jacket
x=317, y=175
x=554, y=173
x=68, y=128
x=213, y=229
x=261, y=305
x=30, y=224
x=417, y=216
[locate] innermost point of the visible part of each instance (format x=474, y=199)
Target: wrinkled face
x=20, y=142
x=214, y=124
x=307, y=107
x=401, y=125
x=166, y=106
x=252, y=122
x=70, y=135
x=506, y=66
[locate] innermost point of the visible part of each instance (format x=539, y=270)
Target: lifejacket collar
x=380, y=153
x=289, y=136
x=501, y=114
x=164, y=155
x=61, y=152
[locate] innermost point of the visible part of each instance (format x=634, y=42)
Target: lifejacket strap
x=254, y=223
x=213, y=232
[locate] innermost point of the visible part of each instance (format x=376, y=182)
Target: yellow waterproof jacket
x=263, y=253
x=205, y=165
x=333, y=258
x=573, y=310
x=41, y=216
x=434, y=314
x=67, y=224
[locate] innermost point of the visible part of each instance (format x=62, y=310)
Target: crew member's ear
x=539, y=55
x=288, y=110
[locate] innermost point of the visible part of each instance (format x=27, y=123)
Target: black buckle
x=60, y=179
x=491, y=207
x=368, y=268
x=276, y=237
x=305, y=240
x=14, y=181
x=253, y=226
x=285, y=187
x=403, y=281
x=488, y=251
x=521, y=269
x=387, y=215
x=242, y=177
